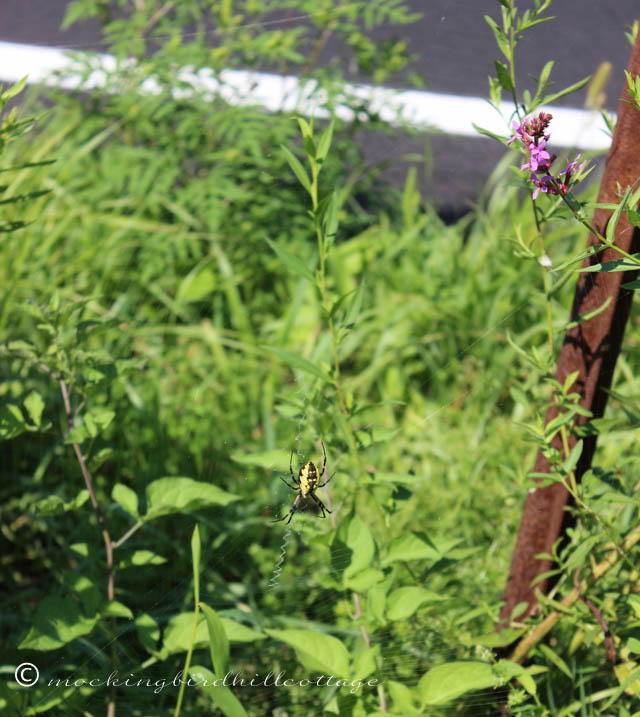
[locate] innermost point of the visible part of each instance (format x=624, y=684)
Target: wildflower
x=537, y=157
x=571, y=169
x=533, y=135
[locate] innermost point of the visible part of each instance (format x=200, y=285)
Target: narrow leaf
x=196, y=550
x=331, y=217
x=548, y=99
x=503, y=75
x=218, y=641
x=325, y=142
x=296, y=361
x=291, y=260
x=572, y=459
x=297, y=168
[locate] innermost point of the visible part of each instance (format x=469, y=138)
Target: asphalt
x=454, y=51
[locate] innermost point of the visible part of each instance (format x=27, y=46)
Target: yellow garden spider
x=306, y=485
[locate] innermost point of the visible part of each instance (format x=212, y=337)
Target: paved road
x=455, y=51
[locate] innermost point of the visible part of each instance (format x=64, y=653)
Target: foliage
x=199, y=291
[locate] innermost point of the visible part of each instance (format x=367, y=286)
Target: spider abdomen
x=308, y=478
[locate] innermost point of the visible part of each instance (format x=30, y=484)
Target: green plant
x=202, y=289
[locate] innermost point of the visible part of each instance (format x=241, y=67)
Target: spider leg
x=293, y=487
x=324, y=462
x=291, y=466
x=293, y=509
x=322, y=485
x=323, y=507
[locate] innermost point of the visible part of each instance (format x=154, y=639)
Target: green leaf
x=34, y=405
x=364, y=662
x=98, y=419
x=612, y=224
x=503, y=75
x=220, y=694
x=496, y=639
x=14, y=89
x=117, y=609
x=549, y=99
x=296, y=361
x=177, y=634
x=364, y=580
x=546, y=72
x=125, y=497
x=179, y=495
x=325, y=142
x=141, y=557
x=218, y=642
x=148, y=632
x=331, y=217
x=196, y=550
x=634, y=604
x=403, y=699
x=488, y=133
x=196, y=285
x=12, y=422
x=403, y=602
x=501, y=38
x=411, y=547
x=297, y=168
x=55, y=505
x=614, y=265
x=362, y=546
x=512, y=670
x=633, y=645
x=316, y=651
x=271, y=460
x=237, y=632
x=377, y=599
x=291, y=260
x=57, y=621
x=634, y=217
x=355, y=306
x=556, y=660
x=572, y=459
x=410, y=198
x=306, y=129
x=447, y=682
x=338, y=303
x=556, y=424
x=310, y=148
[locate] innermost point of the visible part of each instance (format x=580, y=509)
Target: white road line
x=429, y=111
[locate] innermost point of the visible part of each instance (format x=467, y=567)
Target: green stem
x=608, y=244
x=187, y=662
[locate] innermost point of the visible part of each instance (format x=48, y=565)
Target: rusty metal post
x=591, y=348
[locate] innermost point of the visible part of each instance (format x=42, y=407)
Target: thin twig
x=88, y=480
x=609, y=646
x=127, y=535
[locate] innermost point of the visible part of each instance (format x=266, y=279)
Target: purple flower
x=532, y=134
x=519, y=132
x=542, y=185
x=537, y=157
x=571, y=167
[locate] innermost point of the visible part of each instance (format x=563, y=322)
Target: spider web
x=405, y=663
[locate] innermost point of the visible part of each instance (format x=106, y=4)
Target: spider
x=306, y=485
